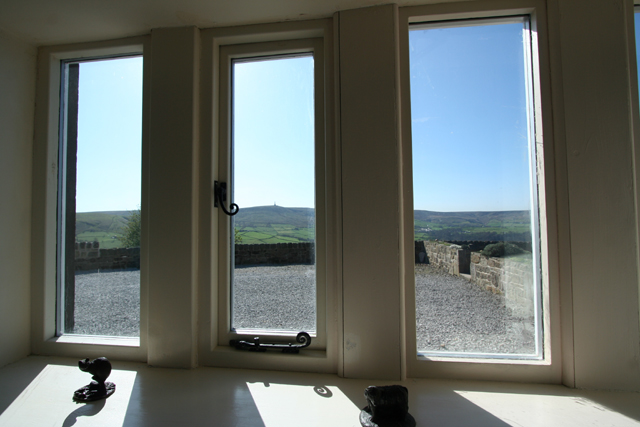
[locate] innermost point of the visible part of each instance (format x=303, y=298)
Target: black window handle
x=220, y=196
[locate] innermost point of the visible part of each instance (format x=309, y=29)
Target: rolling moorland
x=277, y=224
x=103, y=227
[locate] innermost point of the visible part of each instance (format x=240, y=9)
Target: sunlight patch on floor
x=283, y=405
x=47, y=400
x=519, y=409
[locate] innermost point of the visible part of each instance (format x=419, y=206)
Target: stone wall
x=512, y=278
x=278, y=253
x=85, y=250
x=89, y=256
x=451, y=258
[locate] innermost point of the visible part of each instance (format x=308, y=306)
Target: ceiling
x=48, y=22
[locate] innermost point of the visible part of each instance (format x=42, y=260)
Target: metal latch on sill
x=220, y=196
x=303, y=339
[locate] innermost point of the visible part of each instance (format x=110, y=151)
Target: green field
x=479, y=226
x=275, y=224
x=276, y=233
x=102, y=227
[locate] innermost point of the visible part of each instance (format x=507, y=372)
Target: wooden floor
x=37, y=391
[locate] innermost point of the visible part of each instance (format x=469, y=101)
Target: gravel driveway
x=453, y=315
x=108, y=303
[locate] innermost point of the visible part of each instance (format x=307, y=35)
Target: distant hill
x=482, y=226
x=267, y=215
x=277, y=224
x=103, y=227
x=479, y=218
x=100, y=221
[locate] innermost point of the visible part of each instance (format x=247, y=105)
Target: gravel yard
x=108, y=303
x=453, y=315
x=275, y=297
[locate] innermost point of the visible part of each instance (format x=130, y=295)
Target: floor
x=37, y=391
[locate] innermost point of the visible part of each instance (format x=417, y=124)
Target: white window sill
x=97, y=340
x=37, y=391
x=504, y=360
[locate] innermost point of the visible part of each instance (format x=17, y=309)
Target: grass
x=106, y=240
x=276, y=233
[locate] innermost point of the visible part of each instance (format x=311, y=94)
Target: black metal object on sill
x=303, y=339
x=97, y=389
x=220, y=196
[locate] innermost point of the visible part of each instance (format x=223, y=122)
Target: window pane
x=273, y=272
x=99, y=198
x=474, y=179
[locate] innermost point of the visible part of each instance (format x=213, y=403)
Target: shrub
x=501, y=249
x=131, y=231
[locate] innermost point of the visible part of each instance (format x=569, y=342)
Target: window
x=99, y=197
x=272, y=266
x=475, y=190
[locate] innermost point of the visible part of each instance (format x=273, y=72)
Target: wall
x=509, y=277
x=281, y=253
x=451, y=258
x=89, y=256
x=17, y=86
x=172, y=214
x=370, y=168
x=598, y=101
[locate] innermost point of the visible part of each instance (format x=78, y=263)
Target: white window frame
x=45, y=333
x=219, y=47
x=548, y=368
x=270, y=50
x=63, y=177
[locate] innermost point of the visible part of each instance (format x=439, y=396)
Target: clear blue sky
x=469, y=118
x=109, y=135
x=274, y=132
x=469, y=126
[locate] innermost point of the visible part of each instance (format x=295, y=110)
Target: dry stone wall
x=451, y=258
x=89, y=256
x=510, y=277
x=278, y=253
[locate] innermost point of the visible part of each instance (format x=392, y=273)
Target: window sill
x=482, y=359
x=305, y=361
x=97, y=340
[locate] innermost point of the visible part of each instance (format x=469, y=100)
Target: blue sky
x=469, y=126
x=273, y=132
x=469, y=118
x=109, y=135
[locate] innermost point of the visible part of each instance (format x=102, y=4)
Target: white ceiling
x=47, y=22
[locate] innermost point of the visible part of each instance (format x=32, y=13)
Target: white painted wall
x=173, y=175
x=598, y=124
x=17, y=86
x=370, y=192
